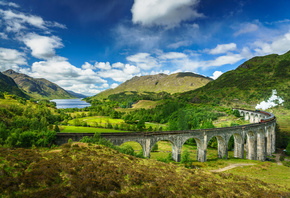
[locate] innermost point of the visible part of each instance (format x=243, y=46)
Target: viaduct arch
x=257, y=138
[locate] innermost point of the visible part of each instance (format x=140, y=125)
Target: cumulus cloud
x=224, y=48
x=273, y=101
x=129, y=71
x=143, y=60
x=118, y=65
x=58, y=70
x=279, y=45
x=43, y=47
x=11, y=59
x=216, y=74
x=114, y=85
x=167, y=13
x=103, y=66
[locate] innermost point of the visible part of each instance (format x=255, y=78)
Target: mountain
x=38, y=87
x=251, y=82
x=174, y=83
x=78, y=95
x=7, y=84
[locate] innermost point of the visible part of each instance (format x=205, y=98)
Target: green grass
x=268, y=172
x=146, y=104
x=226, y=121
x=74, y=129
x=101, y=120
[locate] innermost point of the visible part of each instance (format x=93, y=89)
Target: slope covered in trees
x=8, y=85
x=252, y=82
x=38, y=87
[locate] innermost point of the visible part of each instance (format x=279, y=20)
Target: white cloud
x=103, y=66
x=118, y=65
x=18, y=21
x=143, y=60
x=128, y=72
x=167, y=13
x=216, y=74
x=3, y=35
x=61, y=72
x=11, y=59
x=246, y=28
x=172, y=55
x=43, y=47
x=273, y=101
x=88, y=66
x=224, y=48
x=114, y=85
x=11, y=4
x=279, y=45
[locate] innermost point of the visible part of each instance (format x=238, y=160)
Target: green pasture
x=146, y=104
x=75, y=129
x=268, y=172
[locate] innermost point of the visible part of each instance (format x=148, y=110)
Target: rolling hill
x=38, y=88
x=250, y=83
x=174, y=83
x=7, y=84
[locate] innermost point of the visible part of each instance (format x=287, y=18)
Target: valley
x=29, y=124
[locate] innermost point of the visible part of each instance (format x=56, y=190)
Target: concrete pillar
x=252, y=146
x=201, y=155
x=252, y=119
x=247, y=116
x=176, y=153
x=239, y=146
x=273, y=144
x=147, y=147
x=222, y=148
x=261, y=148
x=269, y=141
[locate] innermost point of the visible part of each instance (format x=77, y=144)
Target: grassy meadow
x=269, y=172
x=77, y=129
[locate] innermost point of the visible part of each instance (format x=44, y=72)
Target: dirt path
x=230, y=167
x=277, y=159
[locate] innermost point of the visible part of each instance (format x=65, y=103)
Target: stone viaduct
x=257, y=138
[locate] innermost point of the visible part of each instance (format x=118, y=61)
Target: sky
x=88, y=46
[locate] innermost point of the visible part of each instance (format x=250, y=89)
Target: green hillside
x=250, y=83
x=82, y=170
x=8, y=85
x=38, y=88
x=174, y=83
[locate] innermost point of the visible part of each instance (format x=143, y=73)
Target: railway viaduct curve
x=257, y=138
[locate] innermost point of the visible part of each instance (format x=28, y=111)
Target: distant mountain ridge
x=174, y=83
x=78, y=95
x=8, y=85
x=38, y=88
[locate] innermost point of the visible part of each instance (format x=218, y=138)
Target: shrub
x=127, y=149
x=288, y=149
x=155, y=148
x=70, y=141
x=185, y=157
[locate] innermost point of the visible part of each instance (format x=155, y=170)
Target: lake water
x=70, y=103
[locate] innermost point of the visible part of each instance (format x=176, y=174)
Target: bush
x=185, y=157
x=288, y=149
x=127, y=149
x=155, y=148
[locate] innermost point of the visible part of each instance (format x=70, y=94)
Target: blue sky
x=91, y=45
